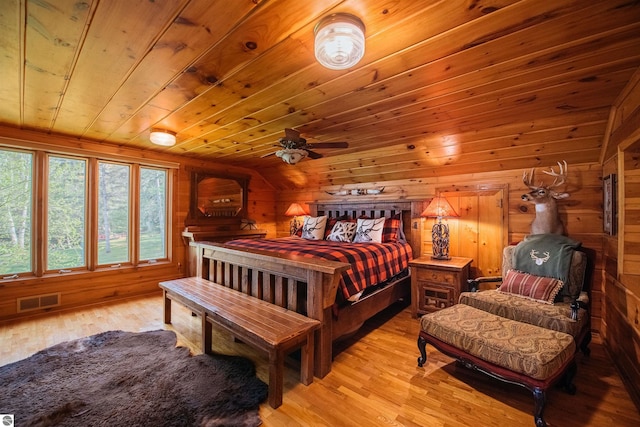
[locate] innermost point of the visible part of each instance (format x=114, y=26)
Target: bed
x=330, y=289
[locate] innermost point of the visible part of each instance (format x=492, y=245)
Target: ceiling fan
x=295, y=148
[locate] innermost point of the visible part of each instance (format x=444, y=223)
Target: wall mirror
x=216, y=197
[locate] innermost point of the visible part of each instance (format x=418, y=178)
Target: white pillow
x=313, y=227
x=369, y=230
x=343, y=231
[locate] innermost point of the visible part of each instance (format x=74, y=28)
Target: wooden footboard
x=307, y=286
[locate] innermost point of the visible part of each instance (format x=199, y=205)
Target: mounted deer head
x=547, y=220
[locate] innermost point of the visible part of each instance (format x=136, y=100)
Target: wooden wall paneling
x=468, y=39
x=12, y=62
x=480, y=232
x=621, y=267
x=53, y=38
x=189, y=36
x=630, y=207
x=411, y=33
x=109, y=36
x=623, y=334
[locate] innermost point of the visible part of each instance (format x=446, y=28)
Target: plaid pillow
x=538, y=288
x=331, y=221
x=390, y=230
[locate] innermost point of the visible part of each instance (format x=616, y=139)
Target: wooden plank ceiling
x=445, y=87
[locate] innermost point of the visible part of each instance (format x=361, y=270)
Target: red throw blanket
x=371, y=263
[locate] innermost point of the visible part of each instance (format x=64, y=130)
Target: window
x=153, y=214
x=90, y=213
x=16, y=172
x=66, y=213
x=113, y=213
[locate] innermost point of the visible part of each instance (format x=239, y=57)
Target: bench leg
x=167, y=308
x=276, y=377
x=422, y=344
x=207, y=329
x=306, y=360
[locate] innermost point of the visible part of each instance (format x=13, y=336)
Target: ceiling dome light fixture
x=166, y=138
x=339, y=42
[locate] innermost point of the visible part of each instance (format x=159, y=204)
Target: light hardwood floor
x=375, y=380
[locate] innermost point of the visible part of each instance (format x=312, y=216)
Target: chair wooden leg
x=540, y=399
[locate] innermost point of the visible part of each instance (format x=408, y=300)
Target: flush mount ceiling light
x=163, y=137
x=339, y=42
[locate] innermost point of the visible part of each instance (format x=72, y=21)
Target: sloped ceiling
x=445, y=87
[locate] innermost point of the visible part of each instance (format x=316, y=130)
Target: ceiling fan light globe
x=291, y=156
x=339, y=41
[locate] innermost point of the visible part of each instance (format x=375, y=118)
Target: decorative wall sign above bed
x=357, y=192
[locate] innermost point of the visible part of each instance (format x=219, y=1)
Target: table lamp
x=294, y=210
x=440, y=208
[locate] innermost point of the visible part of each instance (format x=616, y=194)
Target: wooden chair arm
x=473, y=283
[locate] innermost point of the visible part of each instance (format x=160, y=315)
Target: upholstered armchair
x=536, y=299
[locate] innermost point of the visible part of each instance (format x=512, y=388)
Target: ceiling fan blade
x=267, y=155
x=329, y=145
x=313, y=154
x=291, y=134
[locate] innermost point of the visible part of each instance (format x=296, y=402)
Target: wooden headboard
x=409, y=209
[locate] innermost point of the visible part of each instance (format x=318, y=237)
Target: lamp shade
x=439, y=208
x=295, y=210
x=165, y=138
x=339, y=41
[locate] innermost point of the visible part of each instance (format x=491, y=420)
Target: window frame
x=167, y=216
x=41, y=152
x=45, y=212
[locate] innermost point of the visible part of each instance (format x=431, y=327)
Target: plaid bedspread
x=371, y=263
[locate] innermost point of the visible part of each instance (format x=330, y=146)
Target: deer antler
x=527, y=178
x=562, y=174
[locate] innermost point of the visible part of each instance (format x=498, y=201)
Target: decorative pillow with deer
x=342, y=231
x=313, y=227
x=369, y=230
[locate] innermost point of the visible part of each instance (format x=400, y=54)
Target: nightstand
x=436, y=284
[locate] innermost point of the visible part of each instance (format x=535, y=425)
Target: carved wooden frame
x=609, y=204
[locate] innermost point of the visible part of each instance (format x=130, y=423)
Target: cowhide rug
x=130, y=379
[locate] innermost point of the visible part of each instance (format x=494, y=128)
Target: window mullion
x=40, y=184
x=134, y=215
x=92, y=215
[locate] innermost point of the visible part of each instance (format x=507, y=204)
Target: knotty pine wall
x=621, y=317
x=581, y=212
x=83, y=288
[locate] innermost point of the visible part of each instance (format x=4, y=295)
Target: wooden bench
x=262, y=325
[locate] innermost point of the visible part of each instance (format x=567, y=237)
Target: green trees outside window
x=90, y=213
x=16, y=171
x=113, y=213
x=66, y=213
x=153, y=208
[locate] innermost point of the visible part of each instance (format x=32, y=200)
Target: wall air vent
x=38, y=301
